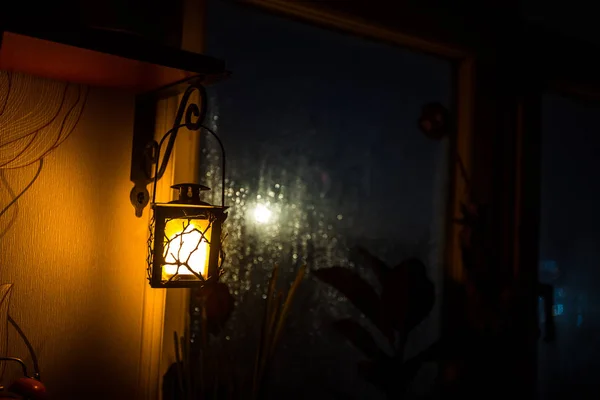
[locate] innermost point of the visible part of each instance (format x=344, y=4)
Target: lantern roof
x=189, y=193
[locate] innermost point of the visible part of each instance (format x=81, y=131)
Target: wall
x=76, y=254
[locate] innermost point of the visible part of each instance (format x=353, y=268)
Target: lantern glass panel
x=186, y=245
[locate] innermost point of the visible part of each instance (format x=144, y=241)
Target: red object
x=218, y=303
x=29, y=388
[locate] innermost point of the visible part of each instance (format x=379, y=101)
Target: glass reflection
x=324, y=154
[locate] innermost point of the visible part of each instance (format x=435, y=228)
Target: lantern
x=185, y=240
x=184, y=246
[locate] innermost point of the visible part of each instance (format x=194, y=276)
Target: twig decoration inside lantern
x=184, y=246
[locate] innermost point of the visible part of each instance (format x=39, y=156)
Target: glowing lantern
x=184, y=247
x=185, y=240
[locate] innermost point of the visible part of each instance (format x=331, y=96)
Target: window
x=569, y=235
x=324, y=153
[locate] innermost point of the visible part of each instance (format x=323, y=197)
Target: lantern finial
x=189, y=193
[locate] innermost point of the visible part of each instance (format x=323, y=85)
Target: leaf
x=275, y=317
x=285, y=310
x=219, y=304
x=266, y=334
x=358, y=336
x=178, y=363
x=358, y=291
x=380, y=268
x=391, y=375
x=435, y=352
x=408, y=295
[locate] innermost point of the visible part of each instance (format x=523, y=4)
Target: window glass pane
x=324, y=153
x=569, y=246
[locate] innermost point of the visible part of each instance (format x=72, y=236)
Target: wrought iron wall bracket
x=145, y=150
x=148, y=165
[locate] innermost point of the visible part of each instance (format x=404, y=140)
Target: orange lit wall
x=75, y=254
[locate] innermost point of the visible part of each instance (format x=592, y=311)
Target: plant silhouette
x=406, y=298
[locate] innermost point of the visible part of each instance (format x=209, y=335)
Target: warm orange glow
x=188, y=246
x=73, y=64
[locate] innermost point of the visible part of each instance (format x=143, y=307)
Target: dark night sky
x=348, y=105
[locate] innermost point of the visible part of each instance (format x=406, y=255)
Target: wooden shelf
x=101, y=57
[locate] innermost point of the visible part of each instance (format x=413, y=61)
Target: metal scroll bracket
x=144, y=150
